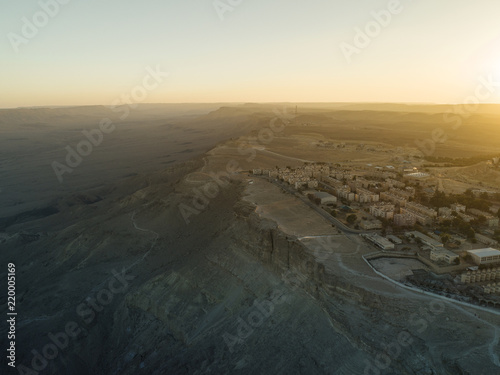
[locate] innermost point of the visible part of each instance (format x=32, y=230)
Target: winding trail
x=283, y=156
x=155, y=239
x=138, y=261
x=496, y=335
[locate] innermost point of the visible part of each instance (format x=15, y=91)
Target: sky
x=73, y=52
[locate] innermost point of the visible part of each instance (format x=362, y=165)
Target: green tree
x=445, y=238
x=469, y=232
x=351, y=218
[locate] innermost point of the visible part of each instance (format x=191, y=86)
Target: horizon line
x=55, y=106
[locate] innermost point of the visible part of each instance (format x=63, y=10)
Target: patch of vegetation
x=351, y=218
x=441, y=199
x=457, y=162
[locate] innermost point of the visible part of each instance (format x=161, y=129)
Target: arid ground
x=163, y=255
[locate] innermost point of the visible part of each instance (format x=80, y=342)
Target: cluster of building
x=467, y=215
x=391, y=183
x=476, y=276
x=422, y=214
x=484, y=257
x=492, y=288
x=397, y=196
x=354, y=191
x=491, y=221
x=305, y=177
x=389, y=199
x=383, y=210
x=409, y=212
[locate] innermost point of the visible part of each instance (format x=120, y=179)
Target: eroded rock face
x=228, y=293
x=310, y=321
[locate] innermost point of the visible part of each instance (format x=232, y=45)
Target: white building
x=441, y=254
x=485, y=256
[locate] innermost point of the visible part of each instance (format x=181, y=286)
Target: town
x=402, y=212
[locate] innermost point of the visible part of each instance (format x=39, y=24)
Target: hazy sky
x=94, y=51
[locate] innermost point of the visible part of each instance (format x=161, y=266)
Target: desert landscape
x=250, y=187
x=172, y=257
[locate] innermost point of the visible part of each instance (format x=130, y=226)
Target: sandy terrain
x=291, y=215
x=225, y=287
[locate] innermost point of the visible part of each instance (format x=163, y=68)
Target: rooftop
x=418, y=175
x=445, y=252
x=427, y=239
x=322, y=194
x=487, y=252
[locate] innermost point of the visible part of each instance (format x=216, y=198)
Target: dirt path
x=155, y=239
x=496, y=335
